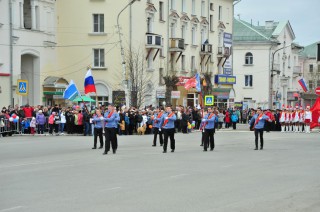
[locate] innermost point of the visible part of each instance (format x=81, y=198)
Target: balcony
x=223, y=52
x=276, y=67
x=153, y=41
x=176, y=45
x=206, y=49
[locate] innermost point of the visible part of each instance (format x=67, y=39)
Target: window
x=98, y=22
x=37, y=13
x=318, y=83
x=173, y=30
x=183, y=32
x=193, y=64
x=183, y=62
x=203, y=8
x=103, y=100
x=98, y=58
x=220, y=13
x=211, y=6
x=193, y=35
x=249, y=58
x=161, y=75
x=161, y=11
x=149, y=25
x=211, y=23
x=150, y=62
x=173, y=4
x=289, y=62
x=203, y=36
x=193, y=7
x=184, y=7
x=27, y=14
x=310, y=84
x=311, y=68
x=248, y=80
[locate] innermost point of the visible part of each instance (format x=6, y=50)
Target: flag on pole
x=71, y=91
x=89, y=86
x=191, y=83
x=198, y=86
x=303, y=84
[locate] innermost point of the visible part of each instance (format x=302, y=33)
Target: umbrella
x=84, y=99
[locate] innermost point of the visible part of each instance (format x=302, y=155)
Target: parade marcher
x=209, y=122
x=62, y=121
x=302, y=126
x=259, y=120
x=277, y=120
x=283, y=117
x=110, y=130
x=288, y=120
x=296, y=119
x=98, y=121
x=157, y=121
x=117, y=120
x=308, y=119
x=292, y=125
x=168, y=129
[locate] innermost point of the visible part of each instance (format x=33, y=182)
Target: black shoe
x=172, y=150
x=105, y=153
x=164, y=151
x=101, y=147
x=211, y=149
x=154, y=145
x=114, y=151
x=201, y=144
x=256, y=149
x=261, y=148
x=205, y=150
x=94, y=147
x=161, y=144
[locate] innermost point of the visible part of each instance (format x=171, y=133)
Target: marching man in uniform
x=157, y=118
x=282, y=119
x=308, y=119
x=208, y=125
x=110, y=117
x=168, y=129
x=259, y=120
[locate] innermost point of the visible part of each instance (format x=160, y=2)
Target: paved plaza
x=63, y=173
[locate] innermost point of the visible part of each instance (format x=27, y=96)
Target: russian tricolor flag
x=89, y=86
x=303, y=84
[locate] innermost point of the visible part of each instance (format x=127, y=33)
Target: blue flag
x=198, y=86
x=71, y=91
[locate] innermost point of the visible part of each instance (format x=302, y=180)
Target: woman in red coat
x=227, y=119
x=80, y=122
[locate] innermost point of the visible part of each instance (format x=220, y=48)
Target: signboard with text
x=227, y=42
x=225, y=79
x=175, y=94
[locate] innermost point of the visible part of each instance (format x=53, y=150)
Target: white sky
x=304, y=16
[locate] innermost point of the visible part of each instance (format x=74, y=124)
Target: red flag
x=191, y=83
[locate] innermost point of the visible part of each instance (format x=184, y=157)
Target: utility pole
x=123, y=62
x=11, y=53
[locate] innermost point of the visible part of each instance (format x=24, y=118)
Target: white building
x=31, y=27
x=309, y=60
x=266, y=64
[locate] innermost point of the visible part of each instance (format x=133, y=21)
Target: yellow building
x=165, y=37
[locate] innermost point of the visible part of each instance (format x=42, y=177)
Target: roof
x=310, y=51
x=244, y=31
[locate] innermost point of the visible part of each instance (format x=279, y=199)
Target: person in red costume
x=28, y=111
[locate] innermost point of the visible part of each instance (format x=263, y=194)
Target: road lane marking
x=32, y=163
x=110, y=189
x=179, y=175
x=11, y=209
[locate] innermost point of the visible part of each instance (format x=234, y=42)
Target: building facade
x=266, y=65
x=309, y=60
x=27, y=34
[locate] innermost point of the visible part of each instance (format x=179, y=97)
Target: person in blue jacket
x=209, y=122
x=98, y=127
x=258, y=121
x=157, y=121
x=234, y=119
x=111, y=120
x=168, y=128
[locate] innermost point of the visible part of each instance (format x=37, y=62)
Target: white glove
x=167, y=118
x=101, y=118
x=159, y=129
x=204, y=120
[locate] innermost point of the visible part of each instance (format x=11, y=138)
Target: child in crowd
x=33, y=125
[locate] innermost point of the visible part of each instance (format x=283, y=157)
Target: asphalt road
x=63, y=173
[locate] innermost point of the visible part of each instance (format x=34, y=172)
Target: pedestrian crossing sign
x=22, y=87
x=208, y=100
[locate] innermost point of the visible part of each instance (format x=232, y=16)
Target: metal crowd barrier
x=9, y=128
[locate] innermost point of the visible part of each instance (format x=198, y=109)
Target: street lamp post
x=123, y=62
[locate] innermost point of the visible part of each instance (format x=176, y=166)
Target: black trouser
x=169, y=133
x=184, y=128
x=98, y=133
x=156, y=132
x=234, y=125
x=110, y=134
x=256, y=134
x=40, y=128
x=208, y=133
